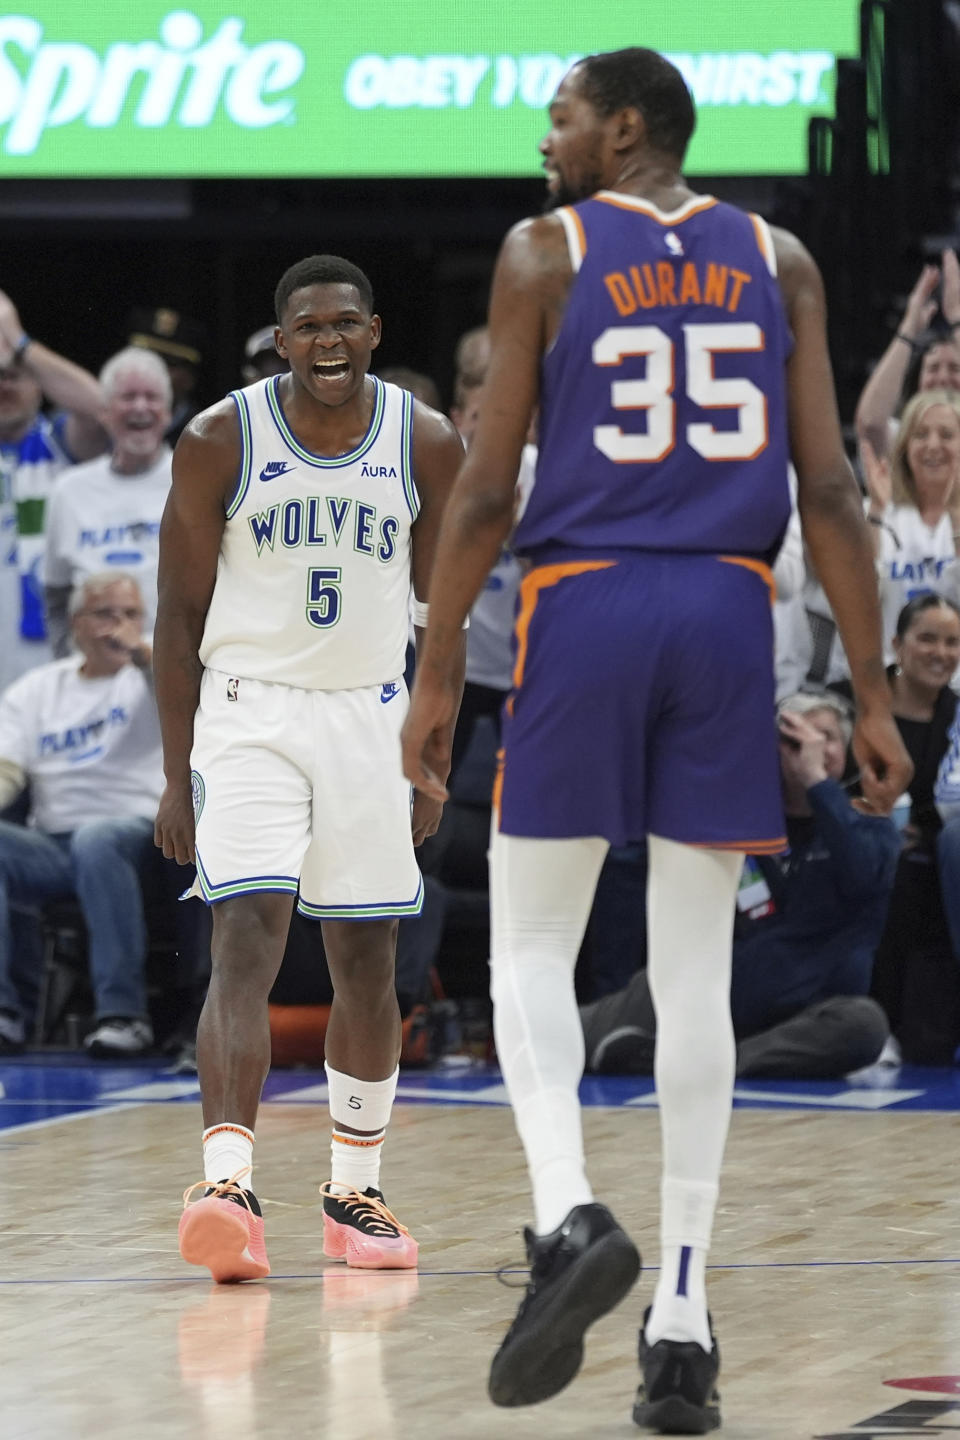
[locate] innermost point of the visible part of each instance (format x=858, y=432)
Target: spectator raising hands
x=937, y=353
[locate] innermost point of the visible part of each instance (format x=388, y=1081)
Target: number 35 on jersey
x=654, y=394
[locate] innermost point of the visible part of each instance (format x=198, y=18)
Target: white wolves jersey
x=313, y=580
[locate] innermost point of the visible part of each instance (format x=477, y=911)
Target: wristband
x=906, y=340
x=21, y=345
x=419, y=613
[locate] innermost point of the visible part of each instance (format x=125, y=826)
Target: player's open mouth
x=331, y=369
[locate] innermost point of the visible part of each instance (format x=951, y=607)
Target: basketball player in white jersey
x=302, y=509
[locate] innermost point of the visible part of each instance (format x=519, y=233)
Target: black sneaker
x=678, y=1393
x=577, y=1274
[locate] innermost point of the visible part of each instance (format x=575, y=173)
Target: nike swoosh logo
x=388, y=693
x=275, y=468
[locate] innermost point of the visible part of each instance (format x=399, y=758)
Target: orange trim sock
x=355, y=1162
x=228, y=1148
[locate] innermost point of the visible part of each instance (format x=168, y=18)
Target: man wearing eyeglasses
x=84, y=733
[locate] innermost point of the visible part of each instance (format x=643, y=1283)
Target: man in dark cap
x=261, y=356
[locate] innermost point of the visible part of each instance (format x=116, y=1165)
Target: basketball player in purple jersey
x=677, y=350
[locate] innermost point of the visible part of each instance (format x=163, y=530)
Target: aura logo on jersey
x=183, y=76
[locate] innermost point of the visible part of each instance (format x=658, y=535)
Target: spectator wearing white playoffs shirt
x=914, y=504
x=85, y=734
x=106, y=514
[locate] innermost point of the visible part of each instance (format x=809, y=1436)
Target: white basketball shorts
x=303, y=789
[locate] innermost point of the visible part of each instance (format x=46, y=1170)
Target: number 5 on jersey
x=323, y=597
x=655, y=393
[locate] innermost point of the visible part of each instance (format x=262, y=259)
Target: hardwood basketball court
x=834, y=1270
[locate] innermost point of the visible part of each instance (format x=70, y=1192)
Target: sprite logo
x=181, y=77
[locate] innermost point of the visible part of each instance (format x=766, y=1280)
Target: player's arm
x=205, y=466
x=836, y=533
x=479, y=515
x=437, y=456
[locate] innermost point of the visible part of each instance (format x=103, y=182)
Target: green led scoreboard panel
x=379, y=88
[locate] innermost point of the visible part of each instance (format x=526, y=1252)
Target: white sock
x=355, y=1162
x=228, y=1148
x=679, y=1310
x=541, y=892
x=691, y=902
x=363, y=1105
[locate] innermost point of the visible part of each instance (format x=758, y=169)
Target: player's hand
x=174, y=831
x=885, y=767
x=425, y=736
x=426, y=816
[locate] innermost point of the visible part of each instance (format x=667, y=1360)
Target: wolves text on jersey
x=326, y=520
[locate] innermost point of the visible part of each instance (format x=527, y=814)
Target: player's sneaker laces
x=224, y=1230
x=577, y=1273
x=678, y=1393
x=358, y=1228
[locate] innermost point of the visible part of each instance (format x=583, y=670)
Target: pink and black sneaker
x=224, y=1231
x=358, y=1228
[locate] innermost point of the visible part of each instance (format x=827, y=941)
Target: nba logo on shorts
x=232, y=689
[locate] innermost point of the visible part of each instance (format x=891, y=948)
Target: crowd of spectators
x=847, y=947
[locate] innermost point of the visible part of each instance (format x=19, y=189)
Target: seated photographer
x=808, y=923
x=83, y=733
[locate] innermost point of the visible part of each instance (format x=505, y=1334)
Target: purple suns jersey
x=663, y=397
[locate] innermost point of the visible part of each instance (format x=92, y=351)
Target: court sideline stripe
x=464, y=1274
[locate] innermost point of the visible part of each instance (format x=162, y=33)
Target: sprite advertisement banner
x=387, y=87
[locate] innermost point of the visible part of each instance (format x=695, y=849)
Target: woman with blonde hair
x=914, y=503
x=917, y=358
